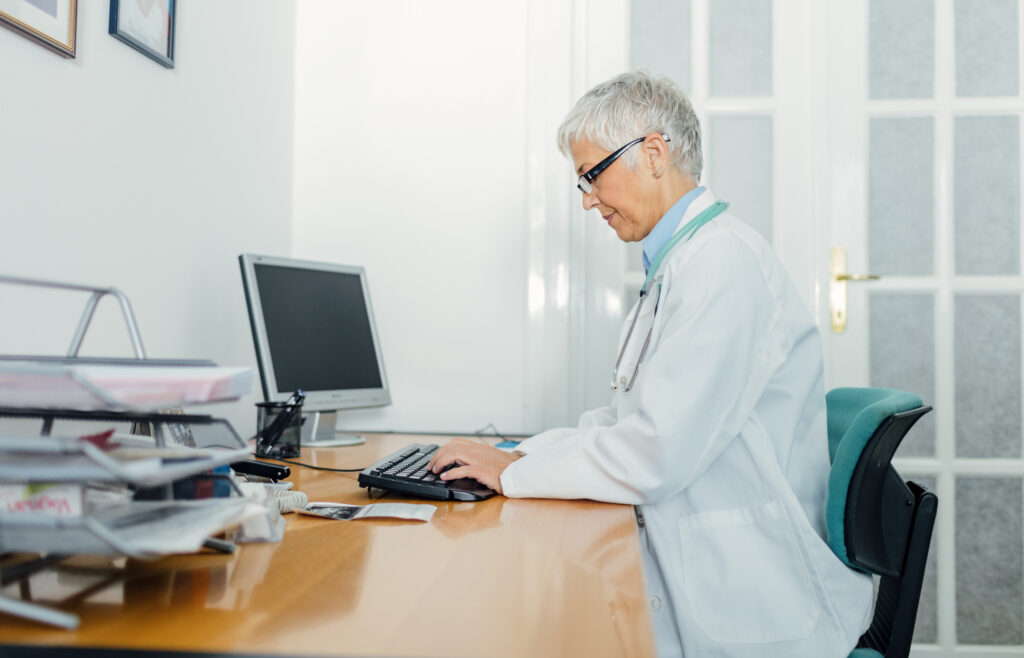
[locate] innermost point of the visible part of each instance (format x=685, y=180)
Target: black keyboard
x=405, y=471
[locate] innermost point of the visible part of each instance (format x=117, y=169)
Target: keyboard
x=405, y=471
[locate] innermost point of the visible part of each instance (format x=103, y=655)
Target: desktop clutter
x=97, y=457
x=278, y=435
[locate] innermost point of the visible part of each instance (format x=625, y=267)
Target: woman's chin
x=625, y=234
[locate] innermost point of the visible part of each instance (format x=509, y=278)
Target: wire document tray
x=85, y=468
x=140, y=529
x=179, y=446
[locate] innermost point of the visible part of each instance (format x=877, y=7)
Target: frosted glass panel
x=989, y=554
x=901, y=49
x=740, y=167
x=926, y=627
x=659, y=38
x=986, y=48
x=632, y=295
x=987, y=363
x=902, y=344
x=634, y=257
x=901, y=226
x=741, y=47
x=986, y=208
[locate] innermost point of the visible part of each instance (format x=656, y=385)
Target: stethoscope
x=621, y=382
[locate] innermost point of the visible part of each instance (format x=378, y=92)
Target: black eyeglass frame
x=586, y=179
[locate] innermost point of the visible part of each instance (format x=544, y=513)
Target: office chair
x=877, y=523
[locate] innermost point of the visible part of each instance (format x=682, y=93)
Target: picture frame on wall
x=53, y=23
x=145, y=25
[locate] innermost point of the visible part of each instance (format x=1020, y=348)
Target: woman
x=716, y=429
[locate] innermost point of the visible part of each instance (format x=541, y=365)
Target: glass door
x=920, y=185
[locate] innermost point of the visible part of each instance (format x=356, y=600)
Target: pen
x=273, y=432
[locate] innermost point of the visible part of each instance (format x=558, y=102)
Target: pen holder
x=274, y=439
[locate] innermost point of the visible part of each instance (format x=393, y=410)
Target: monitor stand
x=318, y=431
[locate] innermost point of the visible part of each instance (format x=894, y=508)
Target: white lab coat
x=721, y=444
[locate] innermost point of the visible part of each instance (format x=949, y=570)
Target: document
x=343, y=512
x=141, y=529
x=59, y=459
x=98, y=386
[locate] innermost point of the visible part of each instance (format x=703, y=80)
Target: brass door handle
x=856, y=277
x=837, y=287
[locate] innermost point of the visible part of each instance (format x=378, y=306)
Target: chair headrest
x=853, y=416
x=856, y=413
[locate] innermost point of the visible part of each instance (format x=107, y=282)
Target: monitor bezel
x=315, y=400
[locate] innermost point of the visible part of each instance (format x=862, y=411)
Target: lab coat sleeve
x=719, y=342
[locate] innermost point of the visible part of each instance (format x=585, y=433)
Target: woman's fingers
x=449, y=453
x=487, y=477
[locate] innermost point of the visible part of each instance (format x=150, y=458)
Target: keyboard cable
x=317, y=468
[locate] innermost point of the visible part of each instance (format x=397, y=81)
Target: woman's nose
x=590, y=201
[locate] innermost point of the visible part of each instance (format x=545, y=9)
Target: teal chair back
x=876, y=522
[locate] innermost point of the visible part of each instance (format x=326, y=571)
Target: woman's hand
x=473, y=460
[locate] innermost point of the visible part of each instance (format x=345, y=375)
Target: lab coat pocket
x=745, y=577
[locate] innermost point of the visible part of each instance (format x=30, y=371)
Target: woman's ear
x=655, y=151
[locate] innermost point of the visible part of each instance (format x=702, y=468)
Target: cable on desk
x=489, y=426
x=316, y=468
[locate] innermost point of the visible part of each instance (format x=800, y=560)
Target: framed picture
x=50, y=22
x=145, y=25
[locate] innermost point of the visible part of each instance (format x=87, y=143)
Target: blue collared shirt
x=666, y=226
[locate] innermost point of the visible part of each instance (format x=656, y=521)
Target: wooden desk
x=502, y=577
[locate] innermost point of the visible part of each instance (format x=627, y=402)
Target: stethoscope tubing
x=684, y=234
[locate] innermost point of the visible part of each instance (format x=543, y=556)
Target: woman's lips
x=608, y=218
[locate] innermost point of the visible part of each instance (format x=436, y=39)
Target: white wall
x=410, y=161
x=116, y=171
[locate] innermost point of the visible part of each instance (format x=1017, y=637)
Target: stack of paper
x=140, y=529
x=95, y=386
x=52, y=459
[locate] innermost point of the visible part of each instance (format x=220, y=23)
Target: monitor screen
x=313, y=329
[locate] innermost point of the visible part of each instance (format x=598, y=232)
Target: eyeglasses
x=585, y=183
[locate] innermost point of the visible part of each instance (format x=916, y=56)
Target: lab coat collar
x=667, y=226
x=697, y=206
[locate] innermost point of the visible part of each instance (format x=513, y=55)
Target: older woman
x=716, y=429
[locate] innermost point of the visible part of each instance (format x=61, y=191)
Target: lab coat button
x=655, y=603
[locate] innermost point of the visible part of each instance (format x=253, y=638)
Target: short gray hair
x=631, y=105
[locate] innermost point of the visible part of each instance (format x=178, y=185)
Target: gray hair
x=632, y=105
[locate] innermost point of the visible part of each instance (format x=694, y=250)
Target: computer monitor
x=313, y=328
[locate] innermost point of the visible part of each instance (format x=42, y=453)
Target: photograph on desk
x=343, y=512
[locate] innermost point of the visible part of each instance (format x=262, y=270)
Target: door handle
x=856, y=277
x=837, y=287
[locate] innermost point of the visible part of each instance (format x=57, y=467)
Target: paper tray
x=45, y=459
x=41, y=445
x=112, y=384
x=139, y=529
